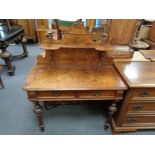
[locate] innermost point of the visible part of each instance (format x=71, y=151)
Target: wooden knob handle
x=131, y=120
x=143, y=94
x=137, y=107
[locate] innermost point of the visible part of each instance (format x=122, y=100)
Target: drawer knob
x=131, y=120
x=57, y=93
x=137, y=107
x=143, y=94
x=98, y=93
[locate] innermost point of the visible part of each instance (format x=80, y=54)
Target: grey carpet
x=17, y=117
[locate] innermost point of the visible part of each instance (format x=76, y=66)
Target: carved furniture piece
x=138, y=108
x=73, y=69
x=9, y=34
x=1, y=82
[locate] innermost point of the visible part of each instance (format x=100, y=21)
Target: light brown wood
x=138, y=108
x=44, y=77
x=73, y=69
x=122, y=31
x=141, y=107
x=29, y=28
x=42, y=23
x=41, y=34
x=136, y=73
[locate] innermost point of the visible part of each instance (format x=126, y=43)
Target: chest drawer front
x=55, y=94
x=139, y=120
x=97, y=94
x=143, y=94
x=141, y=107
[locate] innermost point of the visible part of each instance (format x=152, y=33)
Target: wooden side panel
x=121, y=31
x=41, y=34
x=76, y=56
x=42, y=23
x=29, y=27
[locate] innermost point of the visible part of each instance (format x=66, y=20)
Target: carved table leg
x=6, y=56
x=24, y=41
x=38, y=111
x=112, y=109
x=1, y=82
x=24, y=53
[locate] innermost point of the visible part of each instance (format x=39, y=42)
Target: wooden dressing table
x=73, y=69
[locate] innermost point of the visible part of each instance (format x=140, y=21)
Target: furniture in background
x=1, y=82
x=140, y=45
x=122, y=31
x=73, y=69
x=138, y=108
x=29, y=28
x=9, y=33
x=120, y=34
x=151, y=38
x=42, y=29
x=148, y=54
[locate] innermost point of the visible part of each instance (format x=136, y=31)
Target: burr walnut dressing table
x=73, y=69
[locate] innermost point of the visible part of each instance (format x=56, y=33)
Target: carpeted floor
x=17, y=117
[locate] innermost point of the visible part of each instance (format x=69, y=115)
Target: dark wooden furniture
x=9, y=34
x=73, y=69
x=138, y=108
x=1, y=82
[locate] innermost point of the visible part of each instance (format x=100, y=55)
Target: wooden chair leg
x=1, y=82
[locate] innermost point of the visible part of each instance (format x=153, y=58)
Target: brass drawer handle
x=131, y=120
x=98, y=93
x=56, y=93
x=137, y=107
x=143, y=94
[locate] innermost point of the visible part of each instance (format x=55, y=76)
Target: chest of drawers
x=138, y=108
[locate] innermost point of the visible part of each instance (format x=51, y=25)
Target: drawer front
x=79, y=94
x=141, y=107
x=97, y=94
x=143, y=94
x=55, y=94
x=139, y=120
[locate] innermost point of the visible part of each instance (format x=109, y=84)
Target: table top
x=149, y=54
x=6, y=32
x=140, y=44
x=44, y=77
x=137, y=56
x=137, y=74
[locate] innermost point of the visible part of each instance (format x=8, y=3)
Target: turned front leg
x=38, y=112
x=6, y=56
x=112, y=109
x=23, y=42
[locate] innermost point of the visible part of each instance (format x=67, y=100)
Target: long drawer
x=139, y=107
x=143, y=94
x=98, y=94
x=143, y=120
